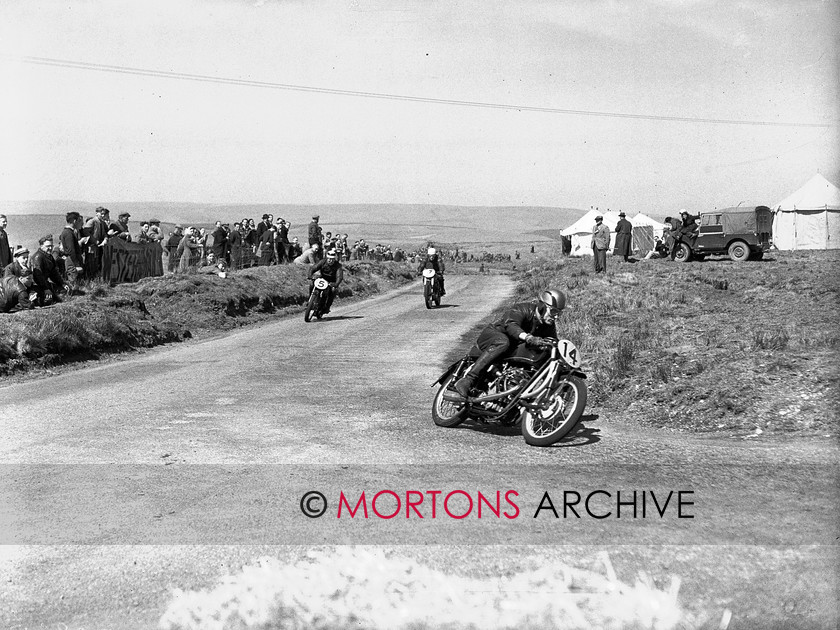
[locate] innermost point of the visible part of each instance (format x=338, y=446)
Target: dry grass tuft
x=371, y=589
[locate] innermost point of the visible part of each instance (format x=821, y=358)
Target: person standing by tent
x=600, y=244
x=623, y=237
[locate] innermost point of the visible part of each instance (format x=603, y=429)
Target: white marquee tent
x=809, y=218
x=581, y=231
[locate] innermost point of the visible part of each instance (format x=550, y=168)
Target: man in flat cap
x=119, y=228
x=600, y=244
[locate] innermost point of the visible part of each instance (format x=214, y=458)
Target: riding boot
x=464, y=384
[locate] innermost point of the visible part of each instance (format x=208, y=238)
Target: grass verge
x=713, y=346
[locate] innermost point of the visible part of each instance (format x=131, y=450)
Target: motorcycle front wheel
x=444, y=412
x=427, y=294
x=310, y=306
x=546, y=426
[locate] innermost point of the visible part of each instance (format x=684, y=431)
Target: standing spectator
x=600, y=244
x=262, y=226
x=71, y=250
x=363, y=249
x=220, y=242
x=315, y=232
x=283, y=241
x=295, y=249
x=96, y=231
x=120, y=227
x=5, y=250
x=188, y=250
x=200, y=238
x=265, y=248
x=172, y=245
x=155, y=232
x=47, y=282
x=235, y=246
x=672, y=238
x=623, y=237
x=144, y=236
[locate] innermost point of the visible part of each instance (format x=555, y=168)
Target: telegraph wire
x=97, y=67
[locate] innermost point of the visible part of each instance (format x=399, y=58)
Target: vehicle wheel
x=683, y=253
x=550, y=425
x=310, y=307
x=437, y=299
x=739, y=251
x=444, y=412
x=427, y=294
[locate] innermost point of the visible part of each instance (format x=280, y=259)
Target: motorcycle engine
x=512, y=377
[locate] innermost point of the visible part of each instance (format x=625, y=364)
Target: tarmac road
x=175, y=467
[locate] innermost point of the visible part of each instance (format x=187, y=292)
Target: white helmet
x=432, y=251
x=551, y=304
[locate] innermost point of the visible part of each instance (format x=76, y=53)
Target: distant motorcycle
x=317, y=303
x=541, y=388
x=431, y=287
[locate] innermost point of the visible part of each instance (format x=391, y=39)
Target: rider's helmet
x=551, y=303
x=432, y=251
x=331, y=254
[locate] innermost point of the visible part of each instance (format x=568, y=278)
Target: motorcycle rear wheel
x=551, y=425
x=446, y=413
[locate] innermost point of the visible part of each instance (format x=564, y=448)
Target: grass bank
x=170, y=308
x=713, y=346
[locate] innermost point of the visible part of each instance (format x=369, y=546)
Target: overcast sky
x=73, y=133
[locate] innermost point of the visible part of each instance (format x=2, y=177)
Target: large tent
x=581, y=231
x=809, y=218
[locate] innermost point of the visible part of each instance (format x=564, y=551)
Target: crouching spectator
x=14, y=294
x=48, y=283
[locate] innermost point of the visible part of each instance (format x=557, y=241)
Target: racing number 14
x=569, y=353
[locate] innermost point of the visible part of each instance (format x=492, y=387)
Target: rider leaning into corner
x=433, y=261
x=331, y=271
x=527, y=321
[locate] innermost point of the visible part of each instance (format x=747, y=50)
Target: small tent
x=581, y=231
x=645, y=232
x=809, y=218
x=641, y=220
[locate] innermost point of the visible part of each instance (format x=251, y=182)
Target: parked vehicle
x=741, y=233
x=431, y=288
x=541, y=388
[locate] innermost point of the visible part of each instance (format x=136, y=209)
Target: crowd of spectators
x=62, y=265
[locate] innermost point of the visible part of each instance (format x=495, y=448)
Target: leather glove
x=532, y=341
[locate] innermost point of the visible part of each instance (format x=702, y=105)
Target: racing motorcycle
x=542, y=388
x=317, y=303
x=431, y=288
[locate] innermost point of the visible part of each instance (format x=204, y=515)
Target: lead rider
x=330, y=270
x=527, y=321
